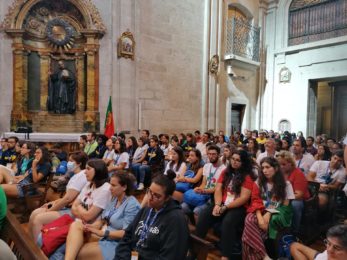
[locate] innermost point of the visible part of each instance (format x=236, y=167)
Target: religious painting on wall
x=126, y=45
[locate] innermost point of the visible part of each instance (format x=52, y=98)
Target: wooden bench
x=30, y=201
x=19, y=241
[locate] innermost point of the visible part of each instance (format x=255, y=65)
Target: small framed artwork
x=126, y=45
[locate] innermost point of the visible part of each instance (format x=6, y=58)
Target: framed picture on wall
x=126, y=45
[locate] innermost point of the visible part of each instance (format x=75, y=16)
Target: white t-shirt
x=77, y=181
x=139, y=152
x=202, y=148
x=305, y=163
x=322, y=169
x=322, y=256
x=289, y=195
x=212, y=174
x=108, y=154
x=166, y=149
x=263, y=155
x=183, y=164
x=345, y=140
x=121, y=158
x=99, y=197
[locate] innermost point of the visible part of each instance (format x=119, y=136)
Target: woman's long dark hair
x=181, y=158
x=279, y=183
x=101, y=172
x=238, y=175
x=45, y=155
x=122, y=148
x=327, y=153
x=196, y=166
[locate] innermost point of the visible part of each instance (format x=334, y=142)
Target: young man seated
x=336, y=247
x=330, y=174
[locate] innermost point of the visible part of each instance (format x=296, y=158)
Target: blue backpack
x=61, y=168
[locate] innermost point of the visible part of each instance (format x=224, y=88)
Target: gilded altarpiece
x=45, y=32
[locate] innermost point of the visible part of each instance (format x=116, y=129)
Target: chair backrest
x=19, y=241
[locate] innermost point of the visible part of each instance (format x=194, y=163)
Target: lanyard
x=146, y=227
x=113, y=210
x=108, y=153
x=298, y=165
x=117, y=158
x=211, y=172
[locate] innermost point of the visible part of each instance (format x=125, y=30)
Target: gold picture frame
x=126, y=46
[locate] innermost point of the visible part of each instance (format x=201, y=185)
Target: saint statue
x=62, y=91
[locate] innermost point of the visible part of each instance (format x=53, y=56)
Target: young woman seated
x=54, y=209
x=176, y=162
x=196, y=200
x=231, y=198
x=100, y=239
x=269, y=210
x=154, y=157
x=109, y=153
x=23, y=164
x=121, y=157
x=39, y=170
x=159, y=230
x=91, y=201
x=192, y=177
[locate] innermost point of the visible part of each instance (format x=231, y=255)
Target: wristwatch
x=107, y=233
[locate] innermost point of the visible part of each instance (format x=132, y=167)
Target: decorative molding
x=214, y=64
x=126, y=45
x=85, y=6
x=285, y=75
x=95, y=15
x=12, y=11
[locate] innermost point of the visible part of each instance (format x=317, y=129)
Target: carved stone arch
x=18, y=10
x=36, y=54
x=243, y=9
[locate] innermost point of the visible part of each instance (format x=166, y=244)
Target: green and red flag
x=109, y=123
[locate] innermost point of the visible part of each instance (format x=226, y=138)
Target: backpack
x=61, y=168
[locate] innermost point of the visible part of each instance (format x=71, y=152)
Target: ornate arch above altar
x=45, y=32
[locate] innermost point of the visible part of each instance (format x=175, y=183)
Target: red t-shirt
x=247, y=184
x=299, y=182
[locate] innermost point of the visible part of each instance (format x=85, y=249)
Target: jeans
x=298, y=207
x=142, y=172
x=232, y=220
x=135, y=169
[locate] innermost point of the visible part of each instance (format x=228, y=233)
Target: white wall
x=316, y=60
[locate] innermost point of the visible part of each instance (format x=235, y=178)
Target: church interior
x=79, y=74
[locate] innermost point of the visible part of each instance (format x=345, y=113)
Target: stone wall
x=6, y=79
x=164, y=80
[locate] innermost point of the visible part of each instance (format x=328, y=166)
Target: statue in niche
x=62, y=91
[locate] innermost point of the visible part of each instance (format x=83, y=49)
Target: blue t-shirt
x=40, y=168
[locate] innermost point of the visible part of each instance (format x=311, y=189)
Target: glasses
x=327, y=243
x=153, y=195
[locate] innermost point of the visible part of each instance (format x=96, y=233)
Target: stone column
x=80, y=69
x=44, y=78
x=91, y=116
x=19, y=107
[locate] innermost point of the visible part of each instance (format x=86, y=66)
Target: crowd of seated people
x=248, y=188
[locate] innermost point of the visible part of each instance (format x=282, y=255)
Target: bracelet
x=107, y=233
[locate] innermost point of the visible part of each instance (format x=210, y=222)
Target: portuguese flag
x=109, y=123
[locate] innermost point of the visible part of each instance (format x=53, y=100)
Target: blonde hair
x=285, y=155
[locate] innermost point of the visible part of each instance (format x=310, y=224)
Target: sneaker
x=141, y=186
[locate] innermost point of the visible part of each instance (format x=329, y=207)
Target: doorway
x=237, y=114
x=327, y=108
